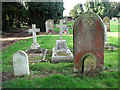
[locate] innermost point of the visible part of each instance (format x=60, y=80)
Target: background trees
x=110, y=9
x=15, y=14
x=77, y=10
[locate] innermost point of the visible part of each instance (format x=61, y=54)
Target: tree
x=99, y=7
x=12, y=12
x=103, y=9
x=17, y=13
x=39, y=12
x=77, y=10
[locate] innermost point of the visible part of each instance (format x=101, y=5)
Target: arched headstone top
x=88, y=21
x=49, y=20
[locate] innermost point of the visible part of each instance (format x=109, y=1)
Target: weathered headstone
x=61, y=53
x=49, y=25
x=20, y=62
x=106, y=21
x=88, y=42
x=35, y=45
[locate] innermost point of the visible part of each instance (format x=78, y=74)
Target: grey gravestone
x=88, y=42
x=61, y=53
x=20, y=63
x=49, y=25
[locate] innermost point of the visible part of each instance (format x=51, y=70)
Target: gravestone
x=61, y=52
x=106, y=21
x=35, y=45
x=88, y=42
x=20, y=63
x=105, y=34
x=49, y=25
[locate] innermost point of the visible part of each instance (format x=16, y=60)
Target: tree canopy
x=77, y=10
x=17, y=13
x=110, y=9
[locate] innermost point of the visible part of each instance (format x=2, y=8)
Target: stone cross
x=61, y=29
x=35, y=45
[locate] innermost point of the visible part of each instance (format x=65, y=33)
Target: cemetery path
x=8, y=41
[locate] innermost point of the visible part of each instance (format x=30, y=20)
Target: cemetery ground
x=60, y=75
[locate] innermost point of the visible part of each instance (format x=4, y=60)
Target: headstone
x=106, y=21
x=88, y=43
x=20, y=62
x=105, y=33
x=49, y=25
x=35, y=45
x=61, y=53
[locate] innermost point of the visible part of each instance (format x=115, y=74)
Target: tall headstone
x=49, y=25
x=20, y=62
x=61, y=52
x=88, y=42
x=106, y=21
x=35, y=45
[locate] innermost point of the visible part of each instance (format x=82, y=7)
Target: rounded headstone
x=88, y=37
x=20, y=62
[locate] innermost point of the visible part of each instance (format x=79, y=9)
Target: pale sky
x=69, y=4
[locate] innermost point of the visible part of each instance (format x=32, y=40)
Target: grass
x=60, y=75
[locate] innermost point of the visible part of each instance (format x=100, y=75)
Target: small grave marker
x=20, y=63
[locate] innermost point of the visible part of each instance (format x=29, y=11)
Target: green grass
x=60, y=75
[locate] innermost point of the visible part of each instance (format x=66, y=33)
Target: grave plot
x=61, y=52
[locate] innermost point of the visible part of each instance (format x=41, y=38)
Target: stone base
x=62, y=56
x=35, y=46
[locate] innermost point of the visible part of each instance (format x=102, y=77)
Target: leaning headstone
x=61, y=52
x=106, y=21
x=20, y=62
x=88, y=42
x=49, y=25
x=35, y=45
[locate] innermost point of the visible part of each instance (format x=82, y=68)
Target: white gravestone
x=105, y=33
x=20, y=63
x=49, y=25
x=61, y=53
x=35, y=45
x=106, y=44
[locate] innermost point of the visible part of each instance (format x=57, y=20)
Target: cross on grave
x=35, y=45
x=61, y=29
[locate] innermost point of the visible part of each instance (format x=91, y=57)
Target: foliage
x=17, y=13
x=110, y=9
x=77, y=10
x=39, y=12
x=12, y=15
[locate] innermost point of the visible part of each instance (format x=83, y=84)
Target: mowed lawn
x=60, y=75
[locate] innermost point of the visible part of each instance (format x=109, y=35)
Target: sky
x=69, y=4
